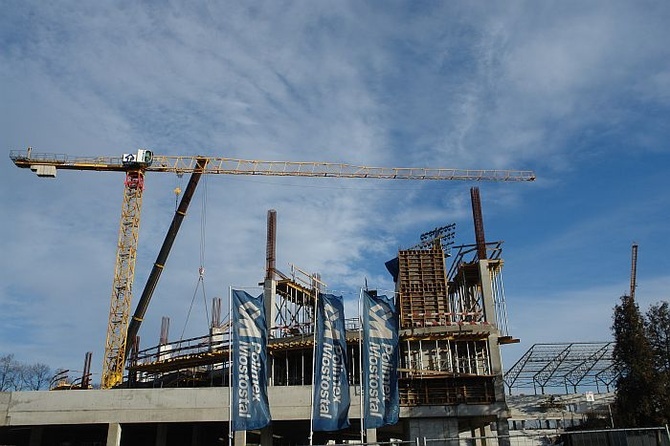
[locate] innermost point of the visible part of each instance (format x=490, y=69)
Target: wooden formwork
x=422, y=286
x=447, y=391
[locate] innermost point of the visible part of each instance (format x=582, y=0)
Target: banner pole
x=315, y=286
x=230, y=366
x=360, y=361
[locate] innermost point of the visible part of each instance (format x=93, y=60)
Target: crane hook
x=177, y=191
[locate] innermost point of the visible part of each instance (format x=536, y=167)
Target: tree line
x=642, y=360
x=16, y=375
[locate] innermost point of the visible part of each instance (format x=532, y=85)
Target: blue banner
x=331, y=384
x=250, y=407
x=380, y=361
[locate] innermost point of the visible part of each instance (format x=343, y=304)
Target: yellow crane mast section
x=234, y=166
x=122, y=286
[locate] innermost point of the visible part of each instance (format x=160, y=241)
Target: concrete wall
x=179, y=405
x=5, y=398
x=116, y=406
x=138, y=406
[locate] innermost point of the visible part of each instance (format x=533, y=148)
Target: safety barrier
x=652, y=436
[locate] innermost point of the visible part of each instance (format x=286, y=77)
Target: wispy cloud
x=576, y=91
x=583, y=315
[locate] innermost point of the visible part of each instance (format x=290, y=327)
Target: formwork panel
x=422, y=285
x=447, y=391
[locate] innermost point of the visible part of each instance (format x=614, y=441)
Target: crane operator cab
x=142, y=158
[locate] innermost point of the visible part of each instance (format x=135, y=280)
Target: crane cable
x=201, y=269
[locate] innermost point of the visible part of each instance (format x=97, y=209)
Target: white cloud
x=552, y=87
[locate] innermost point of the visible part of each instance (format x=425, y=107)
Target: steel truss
x=569, y=366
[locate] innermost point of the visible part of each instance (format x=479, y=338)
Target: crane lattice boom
x=234, y=166
x=136, y=165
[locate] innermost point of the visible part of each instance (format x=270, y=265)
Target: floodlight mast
x=135, y=165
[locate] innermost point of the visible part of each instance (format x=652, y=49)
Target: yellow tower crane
x=135, y=165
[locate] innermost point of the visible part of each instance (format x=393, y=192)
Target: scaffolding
x=447, y=357
x=450, y=322
x=448, y=341
x=429, y=296
x=432, y=371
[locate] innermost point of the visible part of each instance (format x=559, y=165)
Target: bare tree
x=16, y=375
x=35, y=376
x=7, y=373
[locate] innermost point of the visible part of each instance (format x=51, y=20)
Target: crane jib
x=234, y=166
x=136, y=164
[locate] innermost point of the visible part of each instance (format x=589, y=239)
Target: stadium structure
x=452, y=324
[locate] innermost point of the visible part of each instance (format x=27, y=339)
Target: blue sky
x=578, y=92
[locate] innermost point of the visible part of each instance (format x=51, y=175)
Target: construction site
x=452, y=316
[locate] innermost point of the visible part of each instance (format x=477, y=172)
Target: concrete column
x=433, y=428
x=487, y=293
x=36, y=435
x=484, y=431
x=195, y=434
x=161, y=434
x=266, y=436
x=472, y=440
x=240, y=438
x=114, y=434
x=451, y=431
x=503, y=432
x=370, y=436
x=269, y=292
x=495, y=356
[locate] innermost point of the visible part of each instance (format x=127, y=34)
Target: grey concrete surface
x=179, y=405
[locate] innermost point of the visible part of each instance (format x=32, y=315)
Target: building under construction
x=452, y=324
x=451, y=312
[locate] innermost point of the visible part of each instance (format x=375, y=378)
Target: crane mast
x=122, y=286
x=137, y=164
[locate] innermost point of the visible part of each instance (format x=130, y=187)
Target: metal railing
x=652, y=436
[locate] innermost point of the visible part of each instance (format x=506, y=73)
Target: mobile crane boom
x=135, y=165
